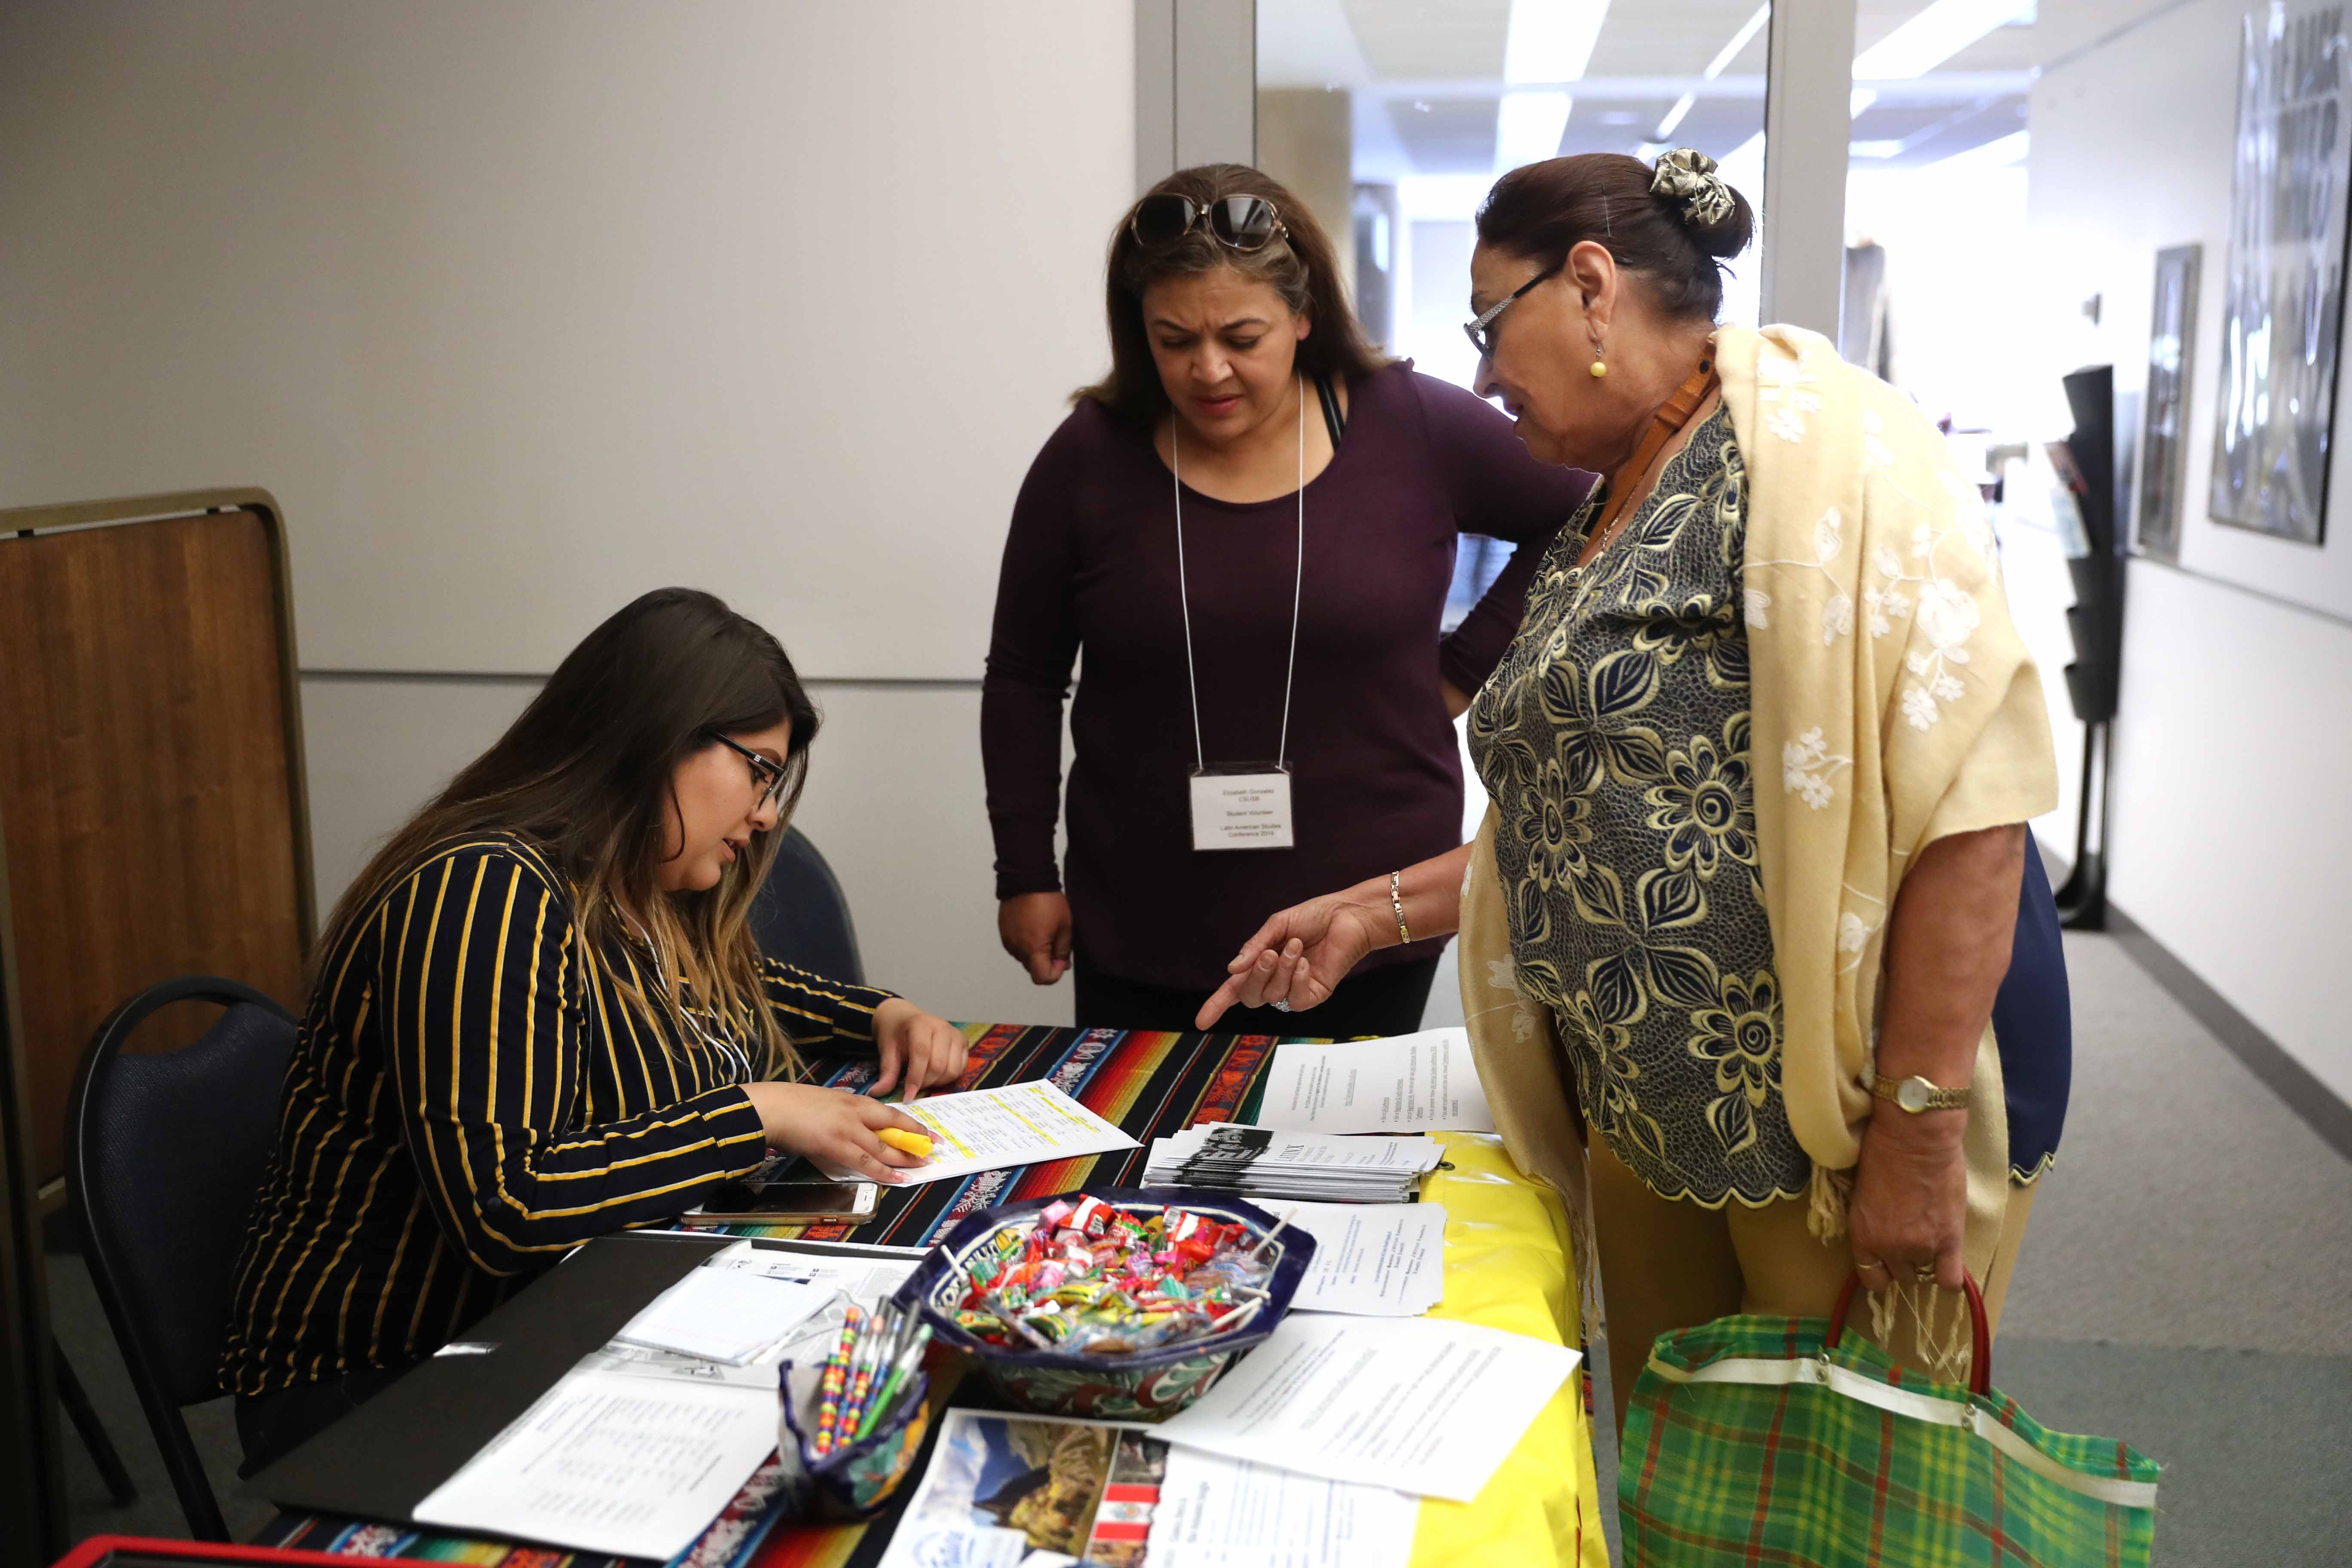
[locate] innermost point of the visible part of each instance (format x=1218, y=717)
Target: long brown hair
x=1301, y=269
x=1540, y=211
x=584, y=777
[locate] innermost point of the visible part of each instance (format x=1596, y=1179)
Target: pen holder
x=1142, y=1385
x=857, y=1479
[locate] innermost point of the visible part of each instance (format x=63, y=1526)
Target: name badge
x=1245, y=807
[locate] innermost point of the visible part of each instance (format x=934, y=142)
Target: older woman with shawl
x=1750, y=976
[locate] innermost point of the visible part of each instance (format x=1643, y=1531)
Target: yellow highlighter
x=914, y=1144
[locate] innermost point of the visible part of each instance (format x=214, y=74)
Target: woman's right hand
x=1035, y=929
x=834, y=1126
x=1300, y=955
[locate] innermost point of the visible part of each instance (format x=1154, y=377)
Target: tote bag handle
x=1979, y=1344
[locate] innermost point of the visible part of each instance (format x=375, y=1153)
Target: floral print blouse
x=1613, y=740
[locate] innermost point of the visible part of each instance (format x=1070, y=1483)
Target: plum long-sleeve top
x=1090, y=567
x=469, y=1100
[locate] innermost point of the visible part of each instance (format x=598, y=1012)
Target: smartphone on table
x=787, y=1190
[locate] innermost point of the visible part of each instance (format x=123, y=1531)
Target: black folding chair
x=801, y=916
x=163, y=1155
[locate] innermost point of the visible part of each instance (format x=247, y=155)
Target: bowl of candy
x=1120, y=1304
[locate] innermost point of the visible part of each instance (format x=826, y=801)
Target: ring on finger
x=1282, y=1006
x=1924, y=1272
x=1864, y=1265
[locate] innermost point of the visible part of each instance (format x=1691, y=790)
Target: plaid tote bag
x=1786, y=1441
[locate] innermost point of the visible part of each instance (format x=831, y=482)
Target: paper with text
x=1381, y=1260
x=1242, y=811
x=1420, y=1405
x=988, y=1128
x=609, y=1463
x=1215, y=1512
x=1406, y=1083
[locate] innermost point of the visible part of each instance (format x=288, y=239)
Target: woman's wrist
x=1428, y=900
x=1944, y=1062
x=1428, y=897
x=1396, y=906
x=1921, y=1130
x=1367, y=903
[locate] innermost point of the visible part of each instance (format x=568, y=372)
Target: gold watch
x=1916, y=1094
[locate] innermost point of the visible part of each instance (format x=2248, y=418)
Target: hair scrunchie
x=1688, y=176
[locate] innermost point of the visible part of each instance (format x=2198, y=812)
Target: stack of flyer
x=1260, y=1163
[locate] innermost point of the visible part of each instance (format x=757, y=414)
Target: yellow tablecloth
x=1508, y=1267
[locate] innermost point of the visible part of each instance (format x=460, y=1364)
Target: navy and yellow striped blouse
x=473, y=1094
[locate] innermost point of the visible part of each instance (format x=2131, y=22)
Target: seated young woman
x=538, y=1016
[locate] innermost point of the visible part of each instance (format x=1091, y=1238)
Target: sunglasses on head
x=1237, y=223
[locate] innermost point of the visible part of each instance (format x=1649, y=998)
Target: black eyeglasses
x=1482, y=330
x=1238, y=223
x=768, y=777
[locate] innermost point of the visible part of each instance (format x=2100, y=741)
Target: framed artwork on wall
x=2171, y=333
x=2283, y=307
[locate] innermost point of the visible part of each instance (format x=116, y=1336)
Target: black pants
x=1385, y=1001
x=271, y=1425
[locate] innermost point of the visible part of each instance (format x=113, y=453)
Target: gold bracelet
x=1396, y=902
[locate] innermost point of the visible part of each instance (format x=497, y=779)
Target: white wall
x=523, y=307
x=519, y=306
x=893, y=800
x=2229, y=836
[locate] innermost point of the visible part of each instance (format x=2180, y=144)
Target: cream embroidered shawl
x=1890, y=684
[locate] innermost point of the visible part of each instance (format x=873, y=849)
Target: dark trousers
x=1388, y=1000
x=271, y=1425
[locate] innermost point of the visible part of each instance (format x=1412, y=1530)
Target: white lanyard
x=1299, y=583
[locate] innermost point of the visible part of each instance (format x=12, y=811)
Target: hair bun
x=1717, y=217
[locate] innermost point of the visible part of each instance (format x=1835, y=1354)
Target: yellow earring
x=1598, y=369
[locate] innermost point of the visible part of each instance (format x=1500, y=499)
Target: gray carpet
x=79, y=1325
x=2183, y=1285
x=2256, y=1445
x=2189, y=1206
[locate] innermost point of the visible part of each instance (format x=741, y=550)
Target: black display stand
x=2096, y=622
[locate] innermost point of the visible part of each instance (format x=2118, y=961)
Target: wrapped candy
x=1093, y=1277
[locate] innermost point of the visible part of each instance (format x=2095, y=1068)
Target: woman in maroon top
x=1249, y=529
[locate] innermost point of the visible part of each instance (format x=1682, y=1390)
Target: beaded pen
x=861, y=1376
x=836, y=1377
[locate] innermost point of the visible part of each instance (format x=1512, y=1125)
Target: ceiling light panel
x=1715, y=67
x=1677, y=39
x=1997, y=153
x=1934, y=35
x=1551, y=40
x=1529, y=126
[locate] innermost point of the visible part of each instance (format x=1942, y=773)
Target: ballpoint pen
x=911, y=1358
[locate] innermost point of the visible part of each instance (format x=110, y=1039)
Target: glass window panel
x=1392, y=118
